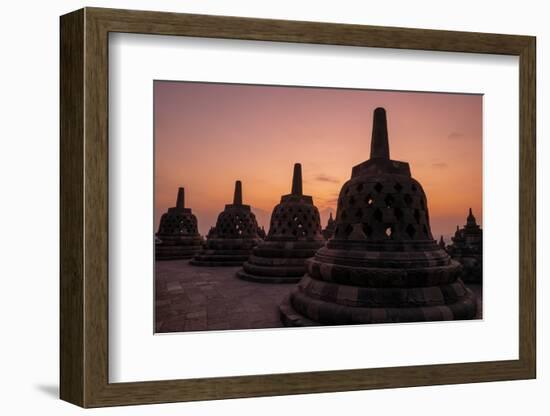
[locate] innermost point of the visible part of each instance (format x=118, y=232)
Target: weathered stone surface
x=294, y=235
x=382, y=263
x=178, y=236
x=231, y=241
x=189, y=298
x=467, y=249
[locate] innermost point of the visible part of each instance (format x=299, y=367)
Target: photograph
x=290, y=206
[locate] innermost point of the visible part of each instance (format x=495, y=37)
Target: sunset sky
x=209, y=135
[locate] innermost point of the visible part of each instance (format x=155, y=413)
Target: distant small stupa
x=261, y=232
x=382, y=264
x=328, y=232
x=294, y=235
x=230, y=242
x=177, y=236
x=467, y=249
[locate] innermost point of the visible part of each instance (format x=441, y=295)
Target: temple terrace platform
x=192, y=298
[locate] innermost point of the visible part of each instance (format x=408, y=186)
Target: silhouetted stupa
x=261, y=232
x=328, y=232
x=177, y=236
x=382, y=265
x=294, y=235
x=230, y=242
x=467, y=249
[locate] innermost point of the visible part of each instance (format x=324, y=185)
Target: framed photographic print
x=255, y=207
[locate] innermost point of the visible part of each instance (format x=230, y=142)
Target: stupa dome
x=230, y=242
x=177, y=236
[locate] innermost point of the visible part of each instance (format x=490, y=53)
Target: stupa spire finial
x=238, y=196
x=297, y=179
x=471, y=220
x=379, y=146
x=180, y=200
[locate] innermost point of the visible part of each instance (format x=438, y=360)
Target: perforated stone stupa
x=177, y=236
x=294, y=235
x=231, y=241
x=382, y=265
x=467, y=249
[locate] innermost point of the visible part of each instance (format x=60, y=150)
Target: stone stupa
x=294, y=235
x=382, y=265
x=261, y=232
x=328, y=232
x=234, y=236
x=467, y=249
x=177, y=236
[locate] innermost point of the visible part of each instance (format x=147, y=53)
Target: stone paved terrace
x=190, y=298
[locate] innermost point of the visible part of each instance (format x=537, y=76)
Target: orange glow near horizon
x=208, y=135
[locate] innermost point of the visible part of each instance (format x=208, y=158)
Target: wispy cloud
x=440, y=165
x=327, y=202
x=455, y=135
x=326, y=178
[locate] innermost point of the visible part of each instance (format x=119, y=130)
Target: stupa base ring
x=224, y=252
x=278, y=261
x=219, y=260
x=201, y=263
x=267, y=279
x=401, y=275
x=176, y=252
x=309, y=311
x=289, y=317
